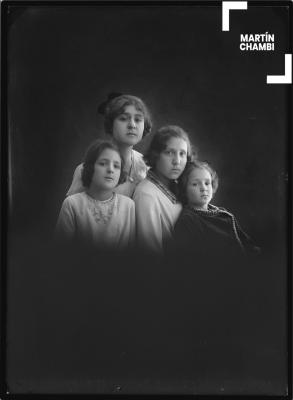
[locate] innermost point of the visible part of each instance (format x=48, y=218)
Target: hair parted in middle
x=160, y=140
x=94, y=151
x=115, y=106
x=183, y=180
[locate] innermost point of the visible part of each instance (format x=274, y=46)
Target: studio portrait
x=146, y=198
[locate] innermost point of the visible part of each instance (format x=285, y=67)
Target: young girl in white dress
x=98, y=216
x=127, y=120
x=157, y=207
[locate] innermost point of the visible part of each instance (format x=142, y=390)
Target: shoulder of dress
x=76, y=197
x=121, y=198
x=79, y=167
x=146, y=187
x=187, y=212
x=225, y=211
x=138, y=159
x=137, y=154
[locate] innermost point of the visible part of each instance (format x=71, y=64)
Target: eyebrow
x=139, y=114
x=108, y=159
x=200, y=179
x=174, y=149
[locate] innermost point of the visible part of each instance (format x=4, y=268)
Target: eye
x=182, y=154
x=117, y=166
x=139, y=119
x=122, y=117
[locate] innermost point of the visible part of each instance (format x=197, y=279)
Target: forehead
x=109, y=154
x=199, y=173
x=131, y=109
x=176, y=143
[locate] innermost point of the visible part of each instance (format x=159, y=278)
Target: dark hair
x=183, y=180
x=160, y=140
x=92, y=154
x=115, y=105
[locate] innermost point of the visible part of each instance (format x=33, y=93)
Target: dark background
x=62, y=62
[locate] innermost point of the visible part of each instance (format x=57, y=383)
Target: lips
x=109, y=178
x=177, y=171
x=131, y=134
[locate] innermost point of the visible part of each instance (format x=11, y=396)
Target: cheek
x=117, y=126
x=141, y=127
x=160, y=164
x=190, y=192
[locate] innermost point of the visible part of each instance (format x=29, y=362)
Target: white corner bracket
x=226, y=7
x=287, y=78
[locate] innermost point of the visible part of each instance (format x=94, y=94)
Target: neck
x=163, y=179
x=126, y=154
x=98, y=194
x=202, y=207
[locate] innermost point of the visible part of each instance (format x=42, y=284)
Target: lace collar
x=151, y=176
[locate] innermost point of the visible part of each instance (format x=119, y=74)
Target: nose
x=111, y=167
x=176, y=159
x=131, y=123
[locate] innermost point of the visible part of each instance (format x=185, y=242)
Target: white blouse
x=156, y=215
x=104, y=223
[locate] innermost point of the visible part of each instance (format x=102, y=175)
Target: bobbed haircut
x=114, y=107
x=183, y=180
x=160, y=141
x=92, y=154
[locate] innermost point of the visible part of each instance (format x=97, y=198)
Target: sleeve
x=148, y=222
x=66, y=227
x=76, y=185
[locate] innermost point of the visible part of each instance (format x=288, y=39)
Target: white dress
x=137, y=174
x=103, y=223
x=156, y=212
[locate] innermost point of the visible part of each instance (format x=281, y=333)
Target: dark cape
x=211, y=233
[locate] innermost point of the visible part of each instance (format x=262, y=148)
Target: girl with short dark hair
x=98, y=216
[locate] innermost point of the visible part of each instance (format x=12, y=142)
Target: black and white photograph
x=146, y=204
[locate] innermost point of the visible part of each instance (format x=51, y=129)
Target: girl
x=98, y=215
x=157, y=207
x=202, y=227
x=127, y=120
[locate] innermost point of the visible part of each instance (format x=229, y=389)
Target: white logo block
x=226, y=7
x=287, y=78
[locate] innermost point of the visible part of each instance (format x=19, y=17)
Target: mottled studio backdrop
x=62, y=62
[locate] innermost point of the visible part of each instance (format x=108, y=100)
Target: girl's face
x=106, y=170
x=128, y=127
x=199, y=189
x=171, y=161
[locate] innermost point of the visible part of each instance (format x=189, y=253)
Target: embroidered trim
x=102, y=211
x=151, y=176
